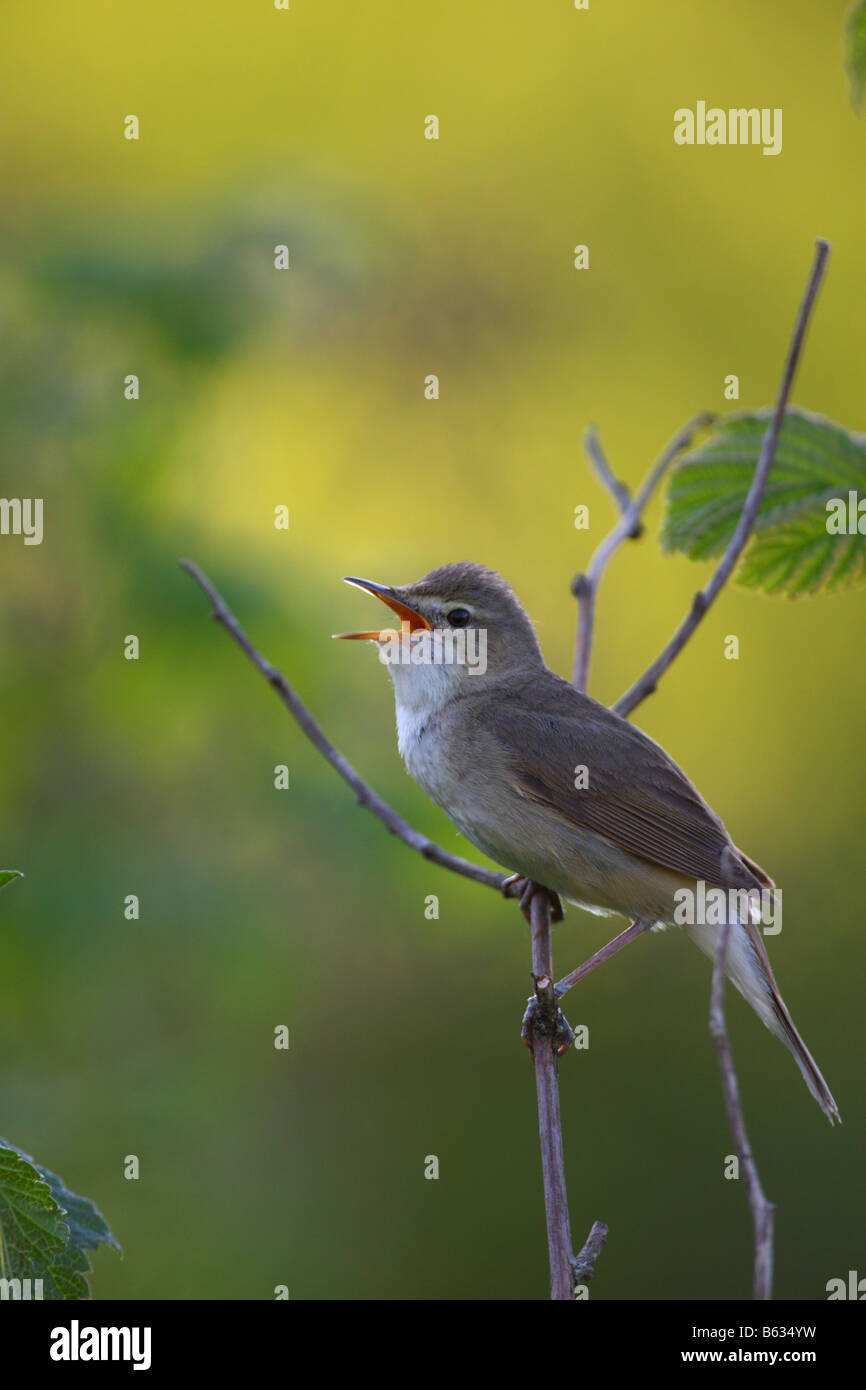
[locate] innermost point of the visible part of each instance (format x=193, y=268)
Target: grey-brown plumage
x=558, y=788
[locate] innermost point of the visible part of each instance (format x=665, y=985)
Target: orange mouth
x=409, y=620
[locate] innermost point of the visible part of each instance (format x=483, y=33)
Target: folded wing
x=635, y=796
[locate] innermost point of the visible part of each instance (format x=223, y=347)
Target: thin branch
x=598, y=458
x=541, y=1037
x=365, y=795
x=702, y=600
x=585, y=586
x=762, y=1210
x=548, y=1035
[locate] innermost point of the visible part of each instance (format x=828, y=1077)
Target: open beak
x=406, y=615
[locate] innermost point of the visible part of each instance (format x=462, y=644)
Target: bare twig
x=705, y=597
x=583, y=1265
x=598, y=458
x=541, y=1038
x=544, y=1031
x=585, y=586
x=762, y=1210
x=365, y=795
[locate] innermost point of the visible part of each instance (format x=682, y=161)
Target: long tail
x=749, y=970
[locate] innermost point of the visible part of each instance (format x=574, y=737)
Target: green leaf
x=791, y=550
x=801, y=557
x=88, y=1228
x=45, y=1229
x=855, y=46
x=6, y=876
x=33, y=1235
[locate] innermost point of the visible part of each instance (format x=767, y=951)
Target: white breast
x=421, y=693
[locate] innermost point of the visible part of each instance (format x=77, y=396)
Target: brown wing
x=636, y=795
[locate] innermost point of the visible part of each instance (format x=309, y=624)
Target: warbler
x=496, y=744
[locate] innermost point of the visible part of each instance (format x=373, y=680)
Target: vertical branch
x=548, y=1037
x=762, y=1210
x=549, y=1123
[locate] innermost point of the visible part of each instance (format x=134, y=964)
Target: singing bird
x=496, y=744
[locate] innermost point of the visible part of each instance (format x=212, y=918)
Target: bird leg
x=542, y=1012
x=637, y=928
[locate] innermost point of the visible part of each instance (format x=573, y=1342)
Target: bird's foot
x=544, y=1018
x=523, y=888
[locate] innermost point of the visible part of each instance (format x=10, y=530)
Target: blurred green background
x=305, y=388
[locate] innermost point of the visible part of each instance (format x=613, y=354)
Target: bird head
x=462, y=619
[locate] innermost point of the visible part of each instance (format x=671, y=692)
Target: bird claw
x=523, y=888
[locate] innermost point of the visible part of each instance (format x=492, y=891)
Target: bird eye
x=459, y=617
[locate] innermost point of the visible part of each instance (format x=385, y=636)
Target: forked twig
x=585, y=586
